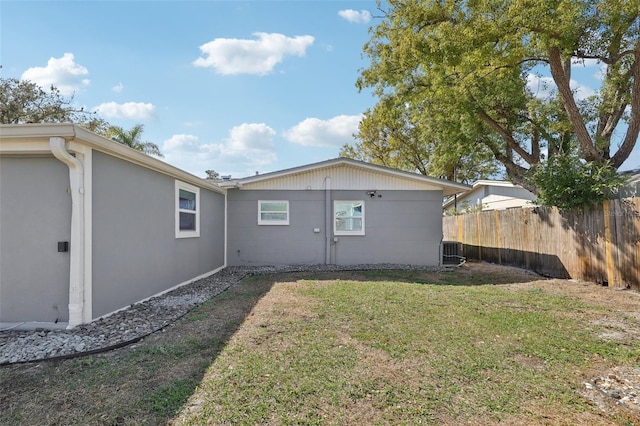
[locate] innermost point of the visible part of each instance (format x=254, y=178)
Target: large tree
x=22, y=101
x=472, y=64
x=404, y=135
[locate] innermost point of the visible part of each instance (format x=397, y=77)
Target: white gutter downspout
x=327, y=220
x=76, y=249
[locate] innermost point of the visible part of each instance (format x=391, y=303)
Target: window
x=273, y=212
x=187, y=210
x=348, y=217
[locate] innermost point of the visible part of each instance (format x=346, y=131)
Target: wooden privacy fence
x=601, y=245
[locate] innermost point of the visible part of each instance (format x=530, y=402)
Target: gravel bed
x=141, y=319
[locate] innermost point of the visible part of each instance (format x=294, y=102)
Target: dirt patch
x=610, y=389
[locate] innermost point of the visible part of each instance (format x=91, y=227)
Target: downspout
x=76, y=249
x=327, y=220
x=226, y=226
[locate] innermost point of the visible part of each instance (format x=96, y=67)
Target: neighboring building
x=339, y=211
x=490, y=195
x=632, y=184
x=89, y=226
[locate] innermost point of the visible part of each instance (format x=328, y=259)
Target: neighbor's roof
x=345, y=174
x=480, y=184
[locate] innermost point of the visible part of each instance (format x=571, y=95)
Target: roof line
x=347, y=161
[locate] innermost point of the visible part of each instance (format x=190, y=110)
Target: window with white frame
x=187, y=210
x=348, y=217
x=273, y=212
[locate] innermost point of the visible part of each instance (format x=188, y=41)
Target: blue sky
x=233, y=86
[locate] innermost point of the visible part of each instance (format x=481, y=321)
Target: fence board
x=601, y=245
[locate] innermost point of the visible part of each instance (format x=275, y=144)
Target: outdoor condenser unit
x=452, y=253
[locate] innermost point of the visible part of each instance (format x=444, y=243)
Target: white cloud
x=545, y=87
x=230, y=56
x=581, y=91
x=63, y=73
x=541, y=87
x=132, y=110
x=249, y=148
x=355, y=17
x=117, y=88
x=601, y=72
x=184, y=143
x=336, y=131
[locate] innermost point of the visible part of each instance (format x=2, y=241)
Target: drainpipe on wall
x=76, y=249
x=327, y=220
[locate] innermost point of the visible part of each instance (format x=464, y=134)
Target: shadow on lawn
x=469, y=274
x=144, y=383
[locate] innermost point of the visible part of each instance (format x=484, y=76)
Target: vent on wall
x=452, y=253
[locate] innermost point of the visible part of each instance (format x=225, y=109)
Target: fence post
x=607, y=243
x=498, y=237
x=479, y=235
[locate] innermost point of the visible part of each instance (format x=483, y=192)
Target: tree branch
x=631, y=137
x=562, y=80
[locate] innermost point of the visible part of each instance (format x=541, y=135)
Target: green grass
x=406, y=353
x=370, y=347
x=168, y=399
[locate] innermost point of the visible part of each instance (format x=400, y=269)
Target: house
x=631, y=187
x=339, y=211
x=89, y=226
x=490, y=195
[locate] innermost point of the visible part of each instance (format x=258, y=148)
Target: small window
x=273, y=212
x=187, y=210
x=348, y=217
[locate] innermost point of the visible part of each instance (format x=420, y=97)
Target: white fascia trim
x=502, y=183
x=23, y=138
x=77, y=240
x=199, y=277
x=29, y=148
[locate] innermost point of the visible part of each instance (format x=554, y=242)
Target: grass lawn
x=376, y=347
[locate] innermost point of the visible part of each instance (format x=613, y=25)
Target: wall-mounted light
x=371, y=193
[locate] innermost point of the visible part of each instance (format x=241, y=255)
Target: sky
x=232, y=86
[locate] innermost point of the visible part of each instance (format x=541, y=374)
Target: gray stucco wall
x=35, y=214
x=400, y=227
x=135, y=251
x=293, y=244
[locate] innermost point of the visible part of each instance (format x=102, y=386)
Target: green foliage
x=131, y=138
x=465, y=208
x=566, y=182
x=22, y=101
x=455, y=78
x=401, y=135
x=212, y=175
